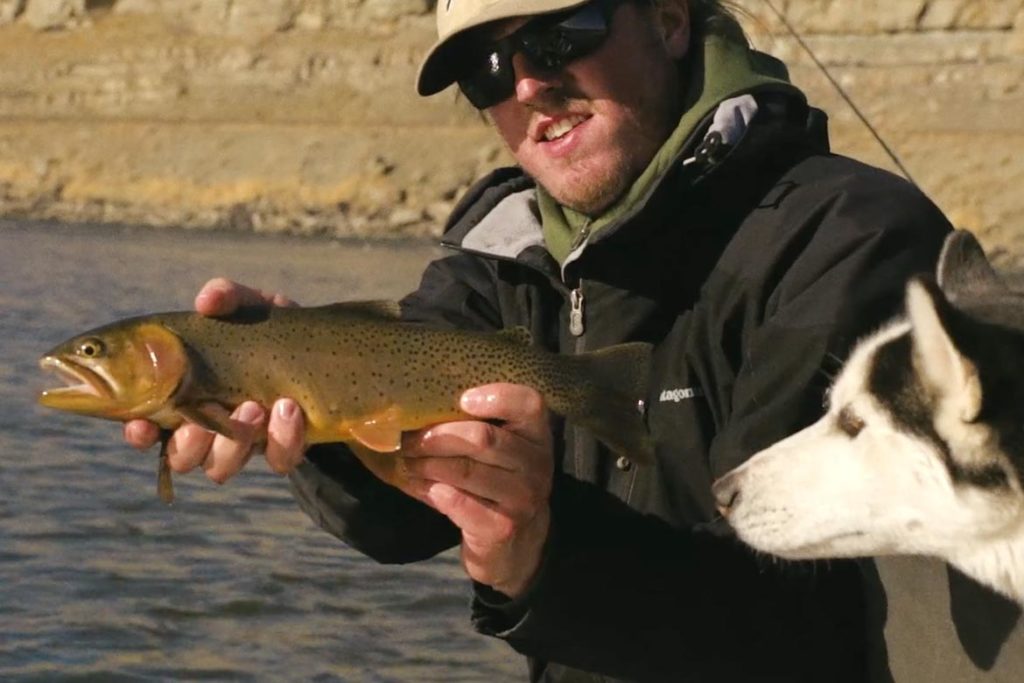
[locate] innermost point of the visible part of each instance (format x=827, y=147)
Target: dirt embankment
x=299, y=115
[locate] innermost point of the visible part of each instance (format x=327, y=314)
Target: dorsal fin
x=516, y=335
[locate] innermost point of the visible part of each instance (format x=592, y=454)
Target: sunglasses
x=548, y=42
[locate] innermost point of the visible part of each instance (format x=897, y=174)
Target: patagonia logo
x=680, y=394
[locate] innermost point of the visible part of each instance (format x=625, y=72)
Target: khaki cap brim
x=439, y=67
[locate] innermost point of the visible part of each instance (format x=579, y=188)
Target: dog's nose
x=727, y=492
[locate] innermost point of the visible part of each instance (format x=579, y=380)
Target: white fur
x=939, y=362
x=822, y=493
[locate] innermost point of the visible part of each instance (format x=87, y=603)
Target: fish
x=360, y=374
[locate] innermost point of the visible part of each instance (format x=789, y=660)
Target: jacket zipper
x=576, y=326
x=576, y=329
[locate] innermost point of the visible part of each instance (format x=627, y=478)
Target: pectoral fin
x=381, y=432
x=210, y=416
x=164, y=484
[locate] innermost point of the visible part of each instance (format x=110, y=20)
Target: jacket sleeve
x=340, y=494
x=626, y=594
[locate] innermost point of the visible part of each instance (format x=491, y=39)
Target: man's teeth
x=557, y=130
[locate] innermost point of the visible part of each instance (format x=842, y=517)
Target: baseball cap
x=440, y=68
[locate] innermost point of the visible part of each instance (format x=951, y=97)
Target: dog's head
x=921, y=449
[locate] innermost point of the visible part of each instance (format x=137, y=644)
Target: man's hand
x=492, y=480
x=221, y=458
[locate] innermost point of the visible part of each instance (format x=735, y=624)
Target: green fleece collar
x=722, y=70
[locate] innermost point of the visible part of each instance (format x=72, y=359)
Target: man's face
x=587, y=131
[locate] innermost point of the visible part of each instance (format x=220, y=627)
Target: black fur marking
x=893, y=382
x=988, y=332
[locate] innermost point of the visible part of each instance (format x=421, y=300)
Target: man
x=672, y=187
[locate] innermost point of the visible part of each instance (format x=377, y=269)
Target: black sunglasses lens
x=491, y=81
x=554, y=44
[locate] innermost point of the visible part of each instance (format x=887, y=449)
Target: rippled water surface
x=100, y=581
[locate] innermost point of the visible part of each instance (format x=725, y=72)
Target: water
x=99, y=581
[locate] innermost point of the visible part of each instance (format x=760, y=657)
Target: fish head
x=122, y=371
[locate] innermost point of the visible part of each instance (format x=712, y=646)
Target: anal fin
x=381, y=432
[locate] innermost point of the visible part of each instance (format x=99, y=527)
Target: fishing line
x=842, y=93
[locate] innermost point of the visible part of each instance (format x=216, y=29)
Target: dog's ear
x=963, y=270
x=945, y=369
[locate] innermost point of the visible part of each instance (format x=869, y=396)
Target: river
x=100, y=581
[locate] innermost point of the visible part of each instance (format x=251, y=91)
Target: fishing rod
x=839, y=88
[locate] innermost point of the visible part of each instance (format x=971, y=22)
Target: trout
x=360, y=374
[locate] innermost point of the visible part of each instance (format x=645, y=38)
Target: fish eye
x=91, y=348
x=850, y=422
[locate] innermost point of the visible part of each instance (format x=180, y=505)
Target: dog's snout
x=727, y=492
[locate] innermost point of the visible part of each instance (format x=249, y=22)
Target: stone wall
x=940, y=80
x=299, y=114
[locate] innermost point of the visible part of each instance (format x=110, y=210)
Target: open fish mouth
x=80, y=382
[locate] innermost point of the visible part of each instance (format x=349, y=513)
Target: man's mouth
x=561, y=127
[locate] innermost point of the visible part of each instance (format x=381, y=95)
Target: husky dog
x=921, y=450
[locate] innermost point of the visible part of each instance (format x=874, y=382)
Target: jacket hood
x=719, y=70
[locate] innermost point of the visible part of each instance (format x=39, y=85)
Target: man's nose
x=532, y=83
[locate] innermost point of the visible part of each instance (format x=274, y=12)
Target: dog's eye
x=849, y=422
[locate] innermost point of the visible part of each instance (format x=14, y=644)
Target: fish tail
x=614, y=389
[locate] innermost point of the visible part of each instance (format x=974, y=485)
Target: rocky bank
x=300, y=116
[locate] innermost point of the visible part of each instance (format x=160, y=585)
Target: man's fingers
x=192, y=446
x=188, y=448
x=282, y=301
x=519, y=407
x=507, y=491
x=475, y=517
x=285, y=436
x=218, y=296
x=492, y=477
x=228, y=456
x=221, y=296
x=510, y=473
x=488, y=443
x=497, y=550
x=141, y=434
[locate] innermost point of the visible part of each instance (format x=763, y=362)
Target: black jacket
x=752, y=271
